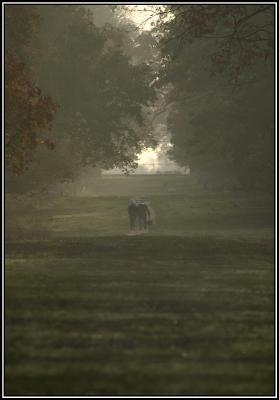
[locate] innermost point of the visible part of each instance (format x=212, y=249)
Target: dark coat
x=142, y=210
x=132, y=209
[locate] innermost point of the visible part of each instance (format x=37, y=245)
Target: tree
x=222, y=109
x=95, y=84
x=240, y=34
x=100, y=92
x=28, y=113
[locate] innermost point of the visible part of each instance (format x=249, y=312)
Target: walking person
x=143, y=214
x=151, y=219
x=132, y=213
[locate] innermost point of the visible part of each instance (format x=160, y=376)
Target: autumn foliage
x=218, y=61
x=242, y=34
x=28, y=115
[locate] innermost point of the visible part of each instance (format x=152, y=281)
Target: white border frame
x=275, y=198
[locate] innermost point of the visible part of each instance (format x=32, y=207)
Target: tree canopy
x=99, y=92
x=218, y=61
x=28, y=112
x=94, y=92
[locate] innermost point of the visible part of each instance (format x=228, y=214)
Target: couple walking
x=140, y=214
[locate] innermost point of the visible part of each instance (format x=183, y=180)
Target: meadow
x=185, y=309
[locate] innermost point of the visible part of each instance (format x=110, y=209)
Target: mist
x=139, y=200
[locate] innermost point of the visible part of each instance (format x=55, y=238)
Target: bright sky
x=145, y=16
x=142, y=15
x=149, y=158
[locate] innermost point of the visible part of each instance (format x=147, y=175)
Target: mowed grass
x=187, y=309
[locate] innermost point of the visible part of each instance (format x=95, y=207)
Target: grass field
x=186, y=309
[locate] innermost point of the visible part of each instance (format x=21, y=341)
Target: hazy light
x=148, y=159
x=144, y=16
